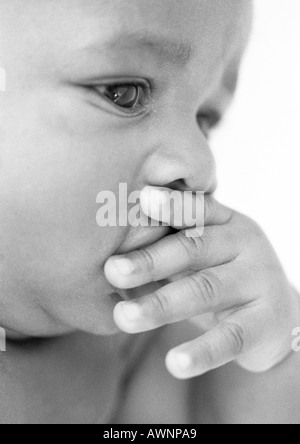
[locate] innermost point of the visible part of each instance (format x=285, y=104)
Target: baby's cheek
x=55, y=171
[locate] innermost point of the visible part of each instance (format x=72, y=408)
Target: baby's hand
x=231, y=271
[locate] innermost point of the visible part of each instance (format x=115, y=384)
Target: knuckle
x=208, y=289
x=144, y=260
x=208, y=209
x=235, y=335
x=197, y=247
x=212, y=355
x=193, y=287
x=161, y=304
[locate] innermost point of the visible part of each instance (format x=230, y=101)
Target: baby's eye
x=128, y=97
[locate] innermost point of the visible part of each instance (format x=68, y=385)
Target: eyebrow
x=166, y=49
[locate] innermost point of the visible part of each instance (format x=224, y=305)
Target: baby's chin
x=92, y=300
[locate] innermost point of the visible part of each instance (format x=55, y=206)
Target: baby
x=104, y=92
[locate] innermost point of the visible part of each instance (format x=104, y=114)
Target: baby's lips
x=141, y=237
x=128, y=295
x=144, y=290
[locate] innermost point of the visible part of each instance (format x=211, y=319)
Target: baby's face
x=100, y=92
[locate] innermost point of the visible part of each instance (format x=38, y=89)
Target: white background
x=258, y=148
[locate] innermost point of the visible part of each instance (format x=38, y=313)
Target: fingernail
x=123, y=265
x=131, y=311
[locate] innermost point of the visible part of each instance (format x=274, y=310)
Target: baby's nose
x=183, y=161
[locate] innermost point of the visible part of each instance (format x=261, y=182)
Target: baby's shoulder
x=153, y=395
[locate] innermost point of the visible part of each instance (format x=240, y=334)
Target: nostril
x=178, y=185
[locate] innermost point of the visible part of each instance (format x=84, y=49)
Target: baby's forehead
x=204, y=24
x=74, y=32
x=188, y=20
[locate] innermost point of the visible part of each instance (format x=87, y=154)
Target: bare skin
x=62, y=142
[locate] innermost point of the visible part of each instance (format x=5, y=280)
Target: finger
x=183, y=209
x=213, y=291
x=227, y=342
x=175, y=254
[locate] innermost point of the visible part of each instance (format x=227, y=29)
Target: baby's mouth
x=138, y=238
x=135, y=293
